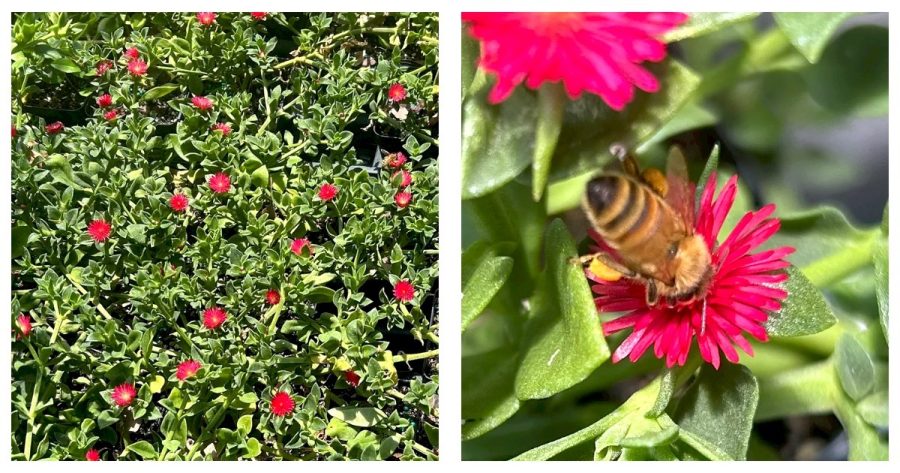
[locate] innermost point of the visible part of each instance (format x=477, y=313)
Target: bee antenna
x=619, y=150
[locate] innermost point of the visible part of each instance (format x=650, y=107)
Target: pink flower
x=214, y=317
x=206, y=18
x=14, y=132
x=187, y=369
x=124, y=394
x=92, y=455
x=595, y=52
x=111, y=115
x=395, y=160
x=404, y=291
x=273, y=297
x=220, y=183
x=178, y=202
x=104, y=100
x=137, y=67
x=743, y=289
x=397, y=92
x=401, y=178
x=104, y=66
x=282, y=404
x=223, y=128
x=55, y=127
x=352, y=378
x=298, y=244
x=402, y=199
x=132, y=53
x=327, y=192
x=202, y=103
x=23, y=323
x=99, y=230
x=258, y=15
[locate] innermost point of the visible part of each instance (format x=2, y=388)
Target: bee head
x=691, y=261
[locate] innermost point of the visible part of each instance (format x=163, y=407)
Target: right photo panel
x=675, y=236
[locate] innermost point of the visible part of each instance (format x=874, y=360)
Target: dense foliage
x=795, y=105
x=224, y=236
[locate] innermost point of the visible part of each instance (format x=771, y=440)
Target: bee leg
x=652, y=293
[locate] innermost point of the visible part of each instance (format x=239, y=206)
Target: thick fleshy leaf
x=497, y=141
x=551, y=105
x=874, y=409
x=852, y=74
x=804, y=312
x=719, y=408
x=802, y=391
x=358, y=416
x=699, y=24
x=468, y=66
x=488, y=396
x=712, y=164
x=590, y=127
x=564, y=340
x=66, y=65
x=19, y=236
x=854, y=367
x=488, y=277
x=810, y=32
x=160, y=91
x=143, y=448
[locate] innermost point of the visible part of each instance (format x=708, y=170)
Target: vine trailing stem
x=416, y=356
x=32, y=413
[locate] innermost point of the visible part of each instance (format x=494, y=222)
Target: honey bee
x=647, y=224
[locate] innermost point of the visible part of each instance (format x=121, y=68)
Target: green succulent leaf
x=160, y=91
x=551, y=105
x=489, y=276
x=803, y=312
x=701, y=23
x=810, y=33
x=564, y=339
x=719, y=408
x=358, y=416
x=854, y=367
x=488, y=394
x=143, y=448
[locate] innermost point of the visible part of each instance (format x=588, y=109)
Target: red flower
x=14, y=131
x=404, y=291
x=124, y=394
x=743, y=289
x=187, y=369
x=258, y=15
x=220, y=183
x=23, y=322
x=298, y=244
x=137, y=67
x=397, y=92
x=282, y=404
x=206, y=18
x=99, y=230
x=214, y=317
x=401, y=178
x=222, y=127
x=327, y=192
x=273, y=297
x=104, y=66
x=352, y=378
x=395, y=160
x=402, y=199
x=178, y=202
x=111, y=115
x=132, y=53
x=594, y=52
x=55, y=127
x=202, y=103
x=92, y=455
x=104, y=100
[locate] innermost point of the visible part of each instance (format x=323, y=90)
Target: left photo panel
x=224, y=236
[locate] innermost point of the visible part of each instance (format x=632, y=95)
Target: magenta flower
x=743, y=290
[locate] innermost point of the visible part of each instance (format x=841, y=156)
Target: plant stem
x=836, y=266
x=32, y=413
x=415, y=356
x=57, y=323
x=302, y=59
x=807, y=390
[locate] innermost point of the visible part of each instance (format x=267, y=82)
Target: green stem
x=381, y=30
x=32, y=413
x=416, y=356
x=265, y=124
x=806, y=390
x=421, y=449
x=210, y=429
x=833, y=268
x=300, y=59
x=57, y=323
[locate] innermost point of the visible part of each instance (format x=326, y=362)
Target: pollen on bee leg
x=656, y=180
x=602, y=271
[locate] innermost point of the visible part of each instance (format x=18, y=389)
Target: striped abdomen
x=631, y=217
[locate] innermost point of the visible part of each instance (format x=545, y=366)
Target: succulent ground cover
x=224, y=236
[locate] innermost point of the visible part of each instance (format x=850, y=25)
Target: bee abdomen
x=607, y=197
x=625, y=212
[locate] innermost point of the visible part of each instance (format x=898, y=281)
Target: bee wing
x=680, y=195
